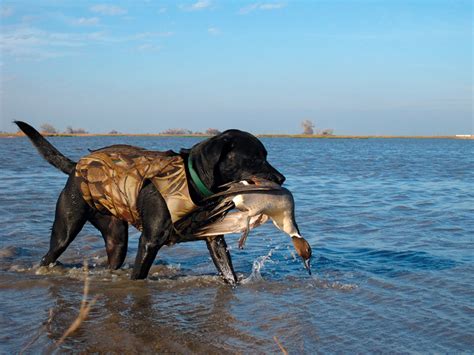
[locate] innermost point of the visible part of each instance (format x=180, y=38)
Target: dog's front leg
x=221, y=257
x=157, y=227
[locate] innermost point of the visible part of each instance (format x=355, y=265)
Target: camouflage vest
x=111, y=179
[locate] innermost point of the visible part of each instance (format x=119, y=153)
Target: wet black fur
x=230, y=156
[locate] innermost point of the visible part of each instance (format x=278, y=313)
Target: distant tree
x=327, y=132
x=177, y=131
x=48, y=128
x=308, y=127
x=70, y=130
x=212, y=132
x=113, y=132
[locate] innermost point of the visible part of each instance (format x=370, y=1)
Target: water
x=391, y=225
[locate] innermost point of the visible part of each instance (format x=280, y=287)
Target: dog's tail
x=46, y=149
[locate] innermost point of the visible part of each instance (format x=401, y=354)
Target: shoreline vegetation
x=306, y=136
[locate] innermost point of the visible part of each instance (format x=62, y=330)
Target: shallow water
x=390, y=222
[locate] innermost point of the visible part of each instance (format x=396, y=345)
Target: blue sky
x=358, y=67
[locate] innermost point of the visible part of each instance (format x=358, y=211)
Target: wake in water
x=172, y=274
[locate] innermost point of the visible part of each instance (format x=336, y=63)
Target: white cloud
x=86, y=21
x=148, y=47
x=261, y=7
x=109, y=10
x=273, y=6
x=147, y=35
x=6, y=11
x=34, y=43
x=29, y=19
x=197, y=6
x=248, y=9
x=28, y=42
x=214, y=31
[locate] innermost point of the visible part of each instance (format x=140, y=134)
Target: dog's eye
x=252, y=161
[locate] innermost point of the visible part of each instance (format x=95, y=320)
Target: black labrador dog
x=233, y=155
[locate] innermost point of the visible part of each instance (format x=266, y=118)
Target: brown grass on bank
x=202, y=135
x=83, y=311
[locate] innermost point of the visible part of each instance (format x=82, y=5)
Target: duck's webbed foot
x=243, y=237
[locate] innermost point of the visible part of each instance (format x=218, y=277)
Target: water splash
x=257, y=266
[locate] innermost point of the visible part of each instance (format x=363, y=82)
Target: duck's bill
x=307, y=265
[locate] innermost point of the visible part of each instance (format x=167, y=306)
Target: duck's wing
x=204, y=215
x=215, y=208
x=234, y=222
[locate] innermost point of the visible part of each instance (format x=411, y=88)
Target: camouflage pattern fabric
x=111, y=179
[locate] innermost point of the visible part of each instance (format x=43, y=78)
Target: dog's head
x=232, y=156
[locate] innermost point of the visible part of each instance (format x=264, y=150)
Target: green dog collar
x=197, y=180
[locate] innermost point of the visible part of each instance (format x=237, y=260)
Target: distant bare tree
x=212, y=132
x=48, y=128
x=70, y=130
x=177, y=131
x=308, y=127
x=114, y=132
x=327, y=132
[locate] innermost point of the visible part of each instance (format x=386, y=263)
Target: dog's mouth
x=279, y=179
x=252, y=178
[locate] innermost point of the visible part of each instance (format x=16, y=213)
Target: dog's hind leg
x=115, y=234
x=221, y=257
x=157, y=228
x=71, y=214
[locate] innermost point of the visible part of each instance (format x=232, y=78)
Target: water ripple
x=390, y=223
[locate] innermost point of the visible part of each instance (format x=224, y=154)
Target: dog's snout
x=274, y=175
x=278, y=178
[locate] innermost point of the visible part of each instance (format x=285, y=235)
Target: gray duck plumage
x=255, y=202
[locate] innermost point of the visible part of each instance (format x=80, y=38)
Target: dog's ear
x=212, y=150
x=206, y=156
x=209, y=147
x=217, y=147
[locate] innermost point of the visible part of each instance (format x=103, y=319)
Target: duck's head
x=303, y=249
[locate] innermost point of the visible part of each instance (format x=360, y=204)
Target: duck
x=256, y=201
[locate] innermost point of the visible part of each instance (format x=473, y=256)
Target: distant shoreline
x=305, y=136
